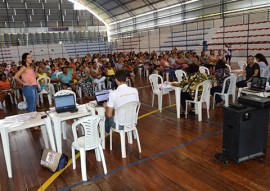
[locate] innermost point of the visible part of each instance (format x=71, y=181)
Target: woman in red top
x=5, y=87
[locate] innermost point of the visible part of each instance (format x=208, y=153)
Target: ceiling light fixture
x=97, y=16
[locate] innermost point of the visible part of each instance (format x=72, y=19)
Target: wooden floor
x=177, y=154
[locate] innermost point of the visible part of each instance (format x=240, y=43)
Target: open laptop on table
x=102, y=96
x=258, y=84
x=65, y=103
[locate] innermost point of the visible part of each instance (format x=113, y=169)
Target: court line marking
x=46, y=184
x=143, y=160
x=157, y=110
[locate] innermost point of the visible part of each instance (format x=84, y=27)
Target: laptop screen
x=258, y=82
x=102, y=96
x=64, y=101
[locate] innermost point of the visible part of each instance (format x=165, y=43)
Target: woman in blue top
x=66, y=79
x=53, y=75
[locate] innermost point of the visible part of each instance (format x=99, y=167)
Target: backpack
x=52, y=160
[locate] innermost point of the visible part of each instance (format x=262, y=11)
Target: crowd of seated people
x=95, y=72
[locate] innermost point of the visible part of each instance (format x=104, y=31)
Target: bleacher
x=183, y=40
x=251, y=38
x=13, y=53
x=128, y=44
x=72, y=50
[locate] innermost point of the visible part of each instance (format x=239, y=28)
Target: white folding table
x=58, y=118
x=258, y=93
x=20, y=122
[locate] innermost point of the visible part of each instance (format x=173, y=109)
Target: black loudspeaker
x=244, y=133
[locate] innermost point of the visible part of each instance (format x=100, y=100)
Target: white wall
x=39, y=52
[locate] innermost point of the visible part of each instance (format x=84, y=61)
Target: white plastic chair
x=11, y=99
x=79, y=91
x=158, y=89
x=109, y=85
x=242, y=65
x=58, y=84
x=229, y=67
x=16, y=90
x=64, y=123
x=167, y=76
x=99, y=86
x=129, y=113
x=155, y=72
x=46, y=81
x=230, y=91
x=128, y=82
x=146, y=72
x=91, y=141
x=180, y=74
x=204, y=70
x=264, y=72
x=140, y=71
x=204, y=97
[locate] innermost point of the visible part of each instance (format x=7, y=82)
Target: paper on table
x=23, y=117
x=52, y=108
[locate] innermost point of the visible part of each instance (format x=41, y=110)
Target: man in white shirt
x=122, y=95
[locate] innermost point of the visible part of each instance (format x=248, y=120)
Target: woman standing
x=28, y=81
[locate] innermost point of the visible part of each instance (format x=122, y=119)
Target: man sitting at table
x=252, y=69
x=122, y=95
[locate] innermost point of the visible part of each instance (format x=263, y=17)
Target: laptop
x=102, y=96
x=65, y=103
x=258, y=84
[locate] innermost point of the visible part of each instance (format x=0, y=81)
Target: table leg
x=58, y=133
x=50, y=133
x=178, y=98
x=45, y=136
x=6, y=147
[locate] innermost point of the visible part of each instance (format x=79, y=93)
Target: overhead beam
x=134, y=9
x=87, y=2
x=125, y=8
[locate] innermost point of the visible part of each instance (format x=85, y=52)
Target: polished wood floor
x=177, y=154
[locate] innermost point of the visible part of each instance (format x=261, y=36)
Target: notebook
x=257, y=84
x=102, y=96
x=65, y=103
